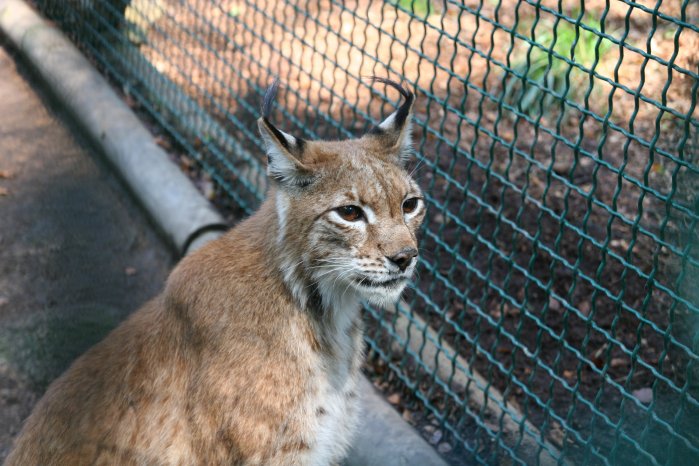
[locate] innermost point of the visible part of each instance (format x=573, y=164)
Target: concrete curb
x=164, y=190
x=185, y=217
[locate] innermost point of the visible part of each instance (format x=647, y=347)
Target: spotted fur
x=251, y=354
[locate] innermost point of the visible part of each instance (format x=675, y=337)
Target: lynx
x=252, y=353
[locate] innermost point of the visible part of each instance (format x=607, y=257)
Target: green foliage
x=420, y=8
x=546, y=73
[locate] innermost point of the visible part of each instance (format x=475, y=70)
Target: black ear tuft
x=284, y=151
x=293, y=144
x=403, y=111
x=270, y=97
x=394, y=133
x=267, y=104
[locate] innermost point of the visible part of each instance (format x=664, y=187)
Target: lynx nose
x=404, y=258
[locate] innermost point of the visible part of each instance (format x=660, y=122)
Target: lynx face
x=348, y=211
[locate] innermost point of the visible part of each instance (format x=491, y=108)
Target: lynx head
x=348, y=211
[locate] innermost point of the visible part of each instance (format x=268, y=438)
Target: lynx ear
x=395, y=133
x=283, y=150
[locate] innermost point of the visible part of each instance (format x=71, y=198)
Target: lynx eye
x=351, y=213
x=409, y=205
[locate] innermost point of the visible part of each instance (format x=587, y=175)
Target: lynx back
x=252, y=353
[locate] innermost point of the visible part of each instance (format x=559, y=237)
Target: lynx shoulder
x=252, y=352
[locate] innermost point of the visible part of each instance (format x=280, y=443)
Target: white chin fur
x=343, y=289
x=381, y=297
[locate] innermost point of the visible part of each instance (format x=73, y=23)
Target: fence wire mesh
x=555, y=316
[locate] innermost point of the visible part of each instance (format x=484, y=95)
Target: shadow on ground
x=77, y=254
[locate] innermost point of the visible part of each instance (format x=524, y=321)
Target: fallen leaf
x=444, y=447
x=5, y=174
x=511, y=310
x=130, y=101
x=597, y=358
x=617, y=362
x=436, y=437
x=208, y=189
x=163, y=142
x=657, y=168
x=4, y=191
x=394, y=399
x=185, y=160
x=407, y=416
x=129, y=271
x=620, y=243
x=556, y=434
x=644, y=395
x=569, y=374
x=554, y=305
x=584, y=308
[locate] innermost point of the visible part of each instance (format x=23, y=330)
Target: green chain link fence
x=555, y=316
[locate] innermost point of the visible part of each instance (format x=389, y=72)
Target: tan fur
x=250, y=355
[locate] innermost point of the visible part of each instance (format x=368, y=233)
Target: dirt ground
x=555, y=252
x=76, y=253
